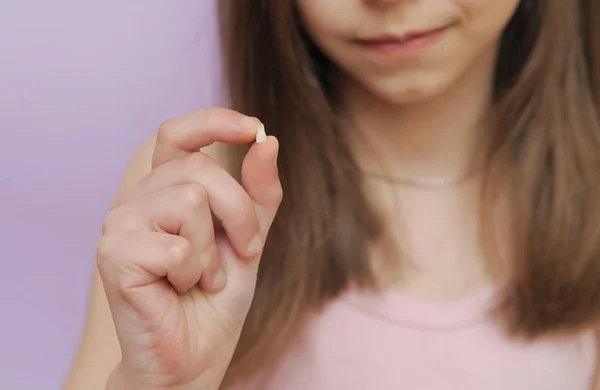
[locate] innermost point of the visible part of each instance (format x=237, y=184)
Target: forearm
x=87, y=375
x=99, y=351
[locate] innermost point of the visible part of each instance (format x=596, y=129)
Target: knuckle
x=105, y=250
x=111, y=220
x=213, y=114
x=179, y=250
x=194, y=196
x=166, y=129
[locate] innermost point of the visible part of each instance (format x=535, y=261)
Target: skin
x=420, y=117
x=436, y=98
x=175, y=324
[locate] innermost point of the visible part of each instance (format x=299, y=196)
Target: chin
x=414, y=95
x=408, y=91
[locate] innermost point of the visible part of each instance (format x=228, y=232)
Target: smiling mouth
x=408, y=44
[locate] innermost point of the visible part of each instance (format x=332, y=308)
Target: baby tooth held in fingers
x=261, y=135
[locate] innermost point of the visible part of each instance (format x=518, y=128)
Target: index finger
x=189, y=133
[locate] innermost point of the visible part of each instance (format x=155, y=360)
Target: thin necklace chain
x=433, y=183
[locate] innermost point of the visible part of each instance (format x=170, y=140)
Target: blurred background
x=82, y=84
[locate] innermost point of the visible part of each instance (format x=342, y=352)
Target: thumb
x=260, y=179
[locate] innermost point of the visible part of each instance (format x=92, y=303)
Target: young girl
x=440, y=227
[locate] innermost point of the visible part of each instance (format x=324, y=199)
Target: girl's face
x=406, y=51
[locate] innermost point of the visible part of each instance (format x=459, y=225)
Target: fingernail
x=256, y=244
x=219, y=279
x=261, y=135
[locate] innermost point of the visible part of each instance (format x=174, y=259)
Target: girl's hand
x=179, y=254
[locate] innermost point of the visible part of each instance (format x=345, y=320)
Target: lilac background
x=82, y=83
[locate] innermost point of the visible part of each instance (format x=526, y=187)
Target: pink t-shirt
x=396, y=342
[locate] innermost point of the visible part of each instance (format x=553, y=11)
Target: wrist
x=119, y=380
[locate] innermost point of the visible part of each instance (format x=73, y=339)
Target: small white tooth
x=261, y=135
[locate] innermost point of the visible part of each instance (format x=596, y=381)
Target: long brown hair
x=548, y=141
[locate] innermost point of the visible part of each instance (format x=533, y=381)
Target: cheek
x=329, y=24
x=484, y=22
x=487, y=18
x=323, y=18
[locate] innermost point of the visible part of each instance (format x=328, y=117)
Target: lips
x=400, y=39
x=407, y=45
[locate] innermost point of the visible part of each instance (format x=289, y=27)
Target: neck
x=441, y=138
